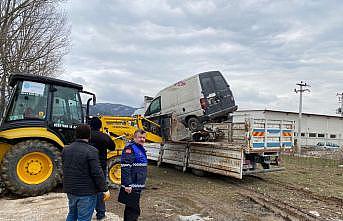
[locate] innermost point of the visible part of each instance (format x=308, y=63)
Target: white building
x=315, y=127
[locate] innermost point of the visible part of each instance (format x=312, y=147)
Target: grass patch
x=322, y=176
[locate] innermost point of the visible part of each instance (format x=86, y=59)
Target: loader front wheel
x=114, y=172
x=32, y=168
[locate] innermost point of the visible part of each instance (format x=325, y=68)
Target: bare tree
x=34, y=37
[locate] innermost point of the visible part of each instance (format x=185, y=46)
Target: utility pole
x=340, y=101
x=303, y=87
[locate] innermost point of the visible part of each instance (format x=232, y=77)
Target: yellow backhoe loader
x=40, y=120
x=121, y=130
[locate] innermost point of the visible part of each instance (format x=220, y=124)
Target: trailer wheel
x=197, y=172
x=32, y=168
x=265, y=165
x=114, y=172
x=179, y=168
x=194, y=124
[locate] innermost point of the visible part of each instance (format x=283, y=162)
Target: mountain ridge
x=111, y=109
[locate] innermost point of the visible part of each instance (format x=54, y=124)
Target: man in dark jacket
x=82, y=176
x=102, y=142
x=134, y=164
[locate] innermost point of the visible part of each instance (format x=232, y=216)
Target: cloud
x=202, y=8
x=123, y=50
x=292, y=36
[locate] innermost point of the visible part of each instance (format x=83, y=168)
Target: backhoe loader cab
x=39, y=120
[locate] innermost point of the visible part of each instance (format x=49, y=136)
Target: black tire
x=199, y=173
x=265, y=165
x=3, y=189
x=9, y=168
x=194, y=124
x=112, y=162
x=179, y=168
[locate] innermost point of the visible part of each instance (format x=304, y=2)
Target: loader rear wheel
x=31, y=168
x=114, y=172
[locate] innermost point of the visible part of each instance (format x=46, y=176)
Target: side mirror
x=87, y=109
x=93, y=97
x=88, y=103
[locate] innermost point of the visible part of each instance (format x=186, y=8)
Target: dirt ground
x=51, y=206
x=309, y=189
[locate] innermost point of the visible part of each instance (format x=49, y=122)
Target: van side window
x=155, y=106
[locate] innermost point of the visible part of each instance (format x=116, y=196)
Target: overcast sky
x=123, y=50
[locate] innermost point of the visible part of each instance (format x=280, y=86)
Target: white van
x=202, y=97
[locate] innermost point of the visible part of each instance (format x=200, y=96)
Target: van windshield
x=154, y=107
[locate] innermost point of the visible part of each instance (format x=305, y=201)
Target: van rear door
x=224, y=94
x=217, y=93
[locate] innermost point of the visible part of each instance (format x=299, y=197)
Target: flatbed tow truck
x=242, y=147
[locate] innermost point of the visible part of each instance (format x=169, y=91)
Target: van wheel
x=194, y=124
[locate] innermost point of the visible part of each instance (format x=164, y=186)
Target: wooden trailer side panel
x=220, y=158
x=217, y=158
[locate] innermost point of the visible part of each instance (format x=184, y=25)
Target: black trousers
x=100, y=207
x=131, y=213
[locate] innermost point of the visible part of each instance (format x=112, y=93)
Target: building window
x=303, y=134
x=333, y=136
x=321, y=135
x=312, y=135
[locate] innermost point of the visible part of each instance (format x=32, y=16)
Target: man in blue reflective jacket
x=133, y=175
